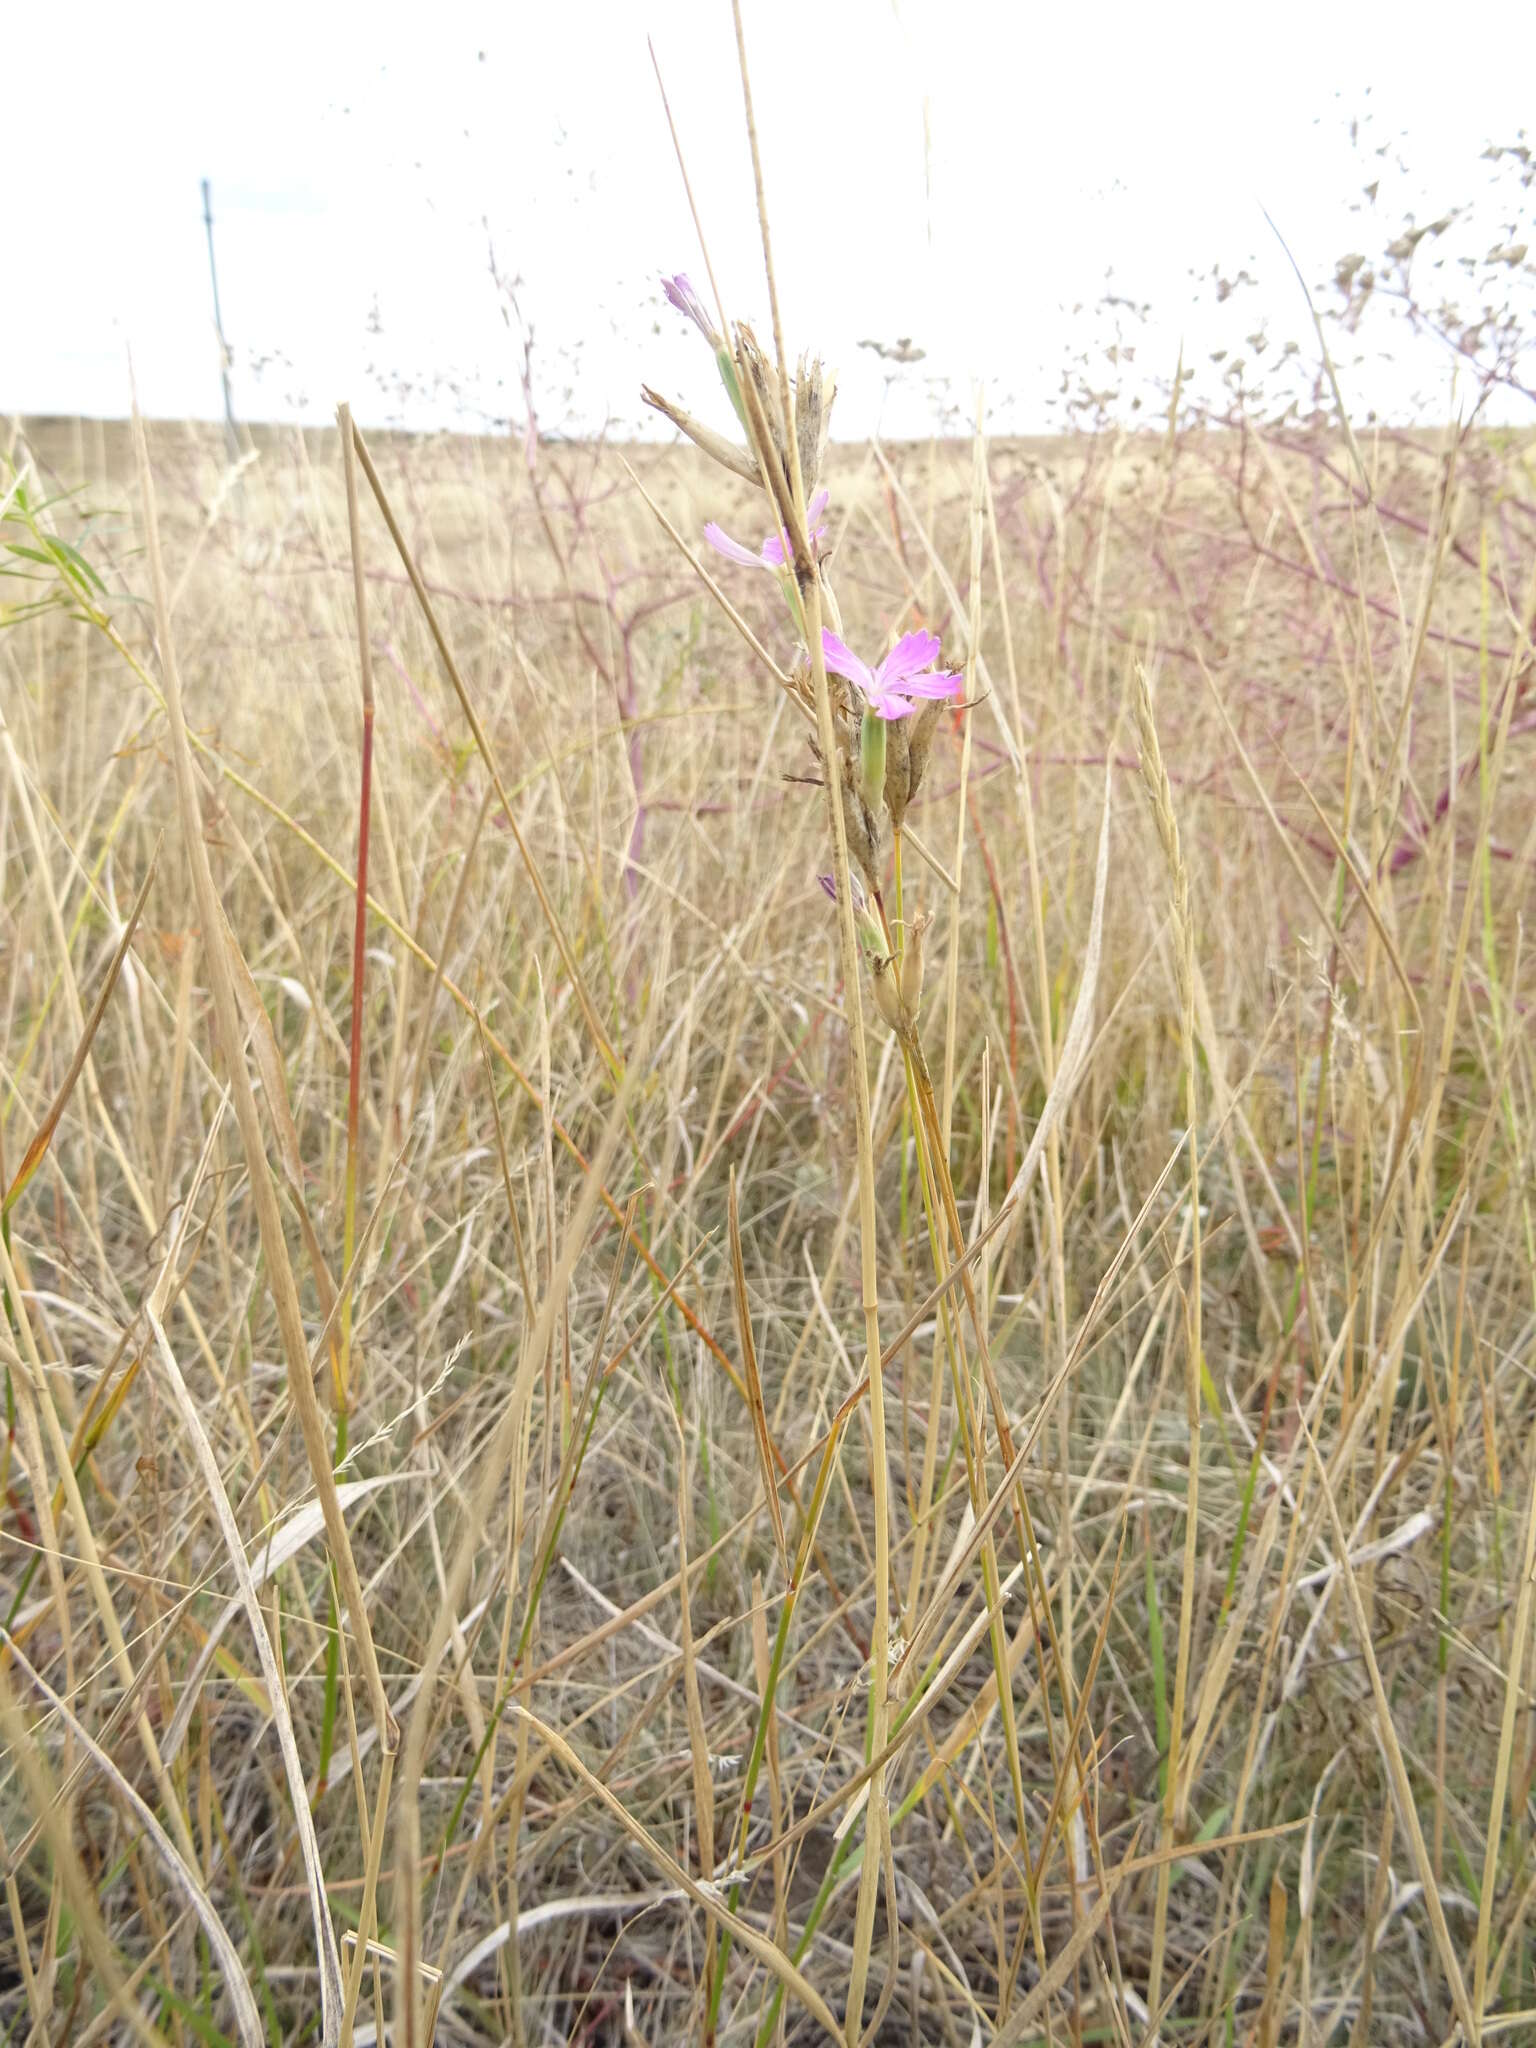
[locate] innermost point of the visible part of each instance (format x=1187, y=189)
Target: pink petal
x=732, y=549
x=843, y=662
x=887, y=704
x=682, y=295
x=913, y=651
x=934, y=684
x=775, y=552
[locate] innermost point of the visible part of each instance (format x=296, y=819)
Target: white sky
x=356, y=158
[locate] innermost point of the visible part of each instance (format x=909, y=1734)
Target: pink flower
x=771, y=555
x=889, y=689
x=682, y=295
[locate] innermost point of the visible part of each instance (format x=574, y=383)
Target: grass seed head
x=811, y=402
x=860, y=823
x=888, y=994
x=912, y=964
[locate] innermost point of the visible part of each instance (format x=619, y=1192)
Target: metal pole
x=218, y=323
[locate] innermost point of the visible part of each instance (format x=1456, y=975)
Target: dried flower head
x=906, y=759
x=810, y=405
x=752, y=385
x=859, y=823
x=912, y=963
x=888, y=994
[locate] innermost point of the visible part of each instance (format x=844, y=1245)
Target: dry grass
x=605, y=1468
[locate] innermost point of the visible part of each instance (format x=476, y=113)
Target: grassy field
x=447, y=1519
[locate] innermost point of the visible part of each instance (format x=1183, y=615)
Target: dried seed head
x=912, y=964
x=888, y=995
x=862, y=828
x=898, y=758
x=921, y=727
x=815, y=389
x=811, y=402
x=845, y=711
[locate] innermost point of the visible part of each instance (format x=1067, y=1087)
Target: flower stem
x=809, y=1520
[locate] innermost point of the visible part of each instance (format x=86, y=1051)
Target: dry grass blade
x=1074, y=1047
x=1059, y=1235
x=716, y=446
x=327, y=1959
x=274, y=1084
x=1159, y=790
x=706, y=1896
x=279, y=1271
x=765, y=1450
x=292, y=1536
x=1064, y=1962
x=42, y=1138
x=55, y=1825
x=1392, y=1754
x=186, y=1881
x=493, y=1466
x=466, y=704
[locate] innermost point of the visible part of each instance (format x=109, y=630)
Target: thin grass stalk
x=419, y=953
x=410, y=2011
x=342, y=1357
x=279, y=1271
x=360, y=918
x=182, y=1875
x=451, y=669
x=853, y=1006
x=810, y=1518
x=1155, y=775
x=54, y=1820
x=937, y=1189
x=848, y=1850
x=931, y=1168
x=973, y=635
x=367, y=1917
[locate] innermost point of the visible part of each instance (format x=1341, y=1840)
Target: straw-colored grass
x=461, y=1341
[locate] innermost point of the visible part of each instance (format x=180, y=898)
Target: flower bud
x=680, y=292
x=865, y=922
